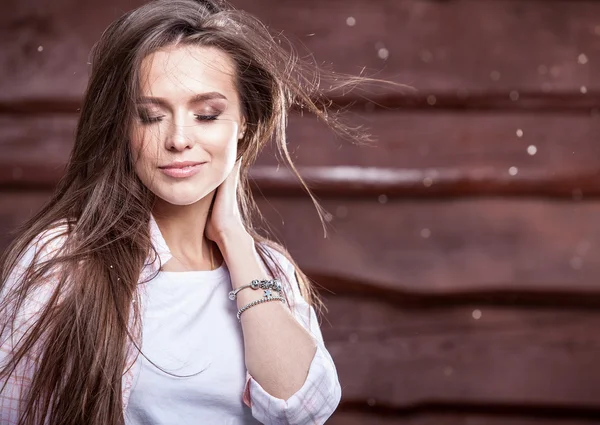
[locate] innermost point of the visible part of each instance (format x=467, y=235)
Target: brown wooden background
x=464, y=250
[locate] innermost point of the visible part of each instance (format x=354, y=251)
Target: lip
x=181, y=169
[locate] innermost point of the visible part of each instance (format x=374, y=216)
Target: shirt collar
x=154, y=262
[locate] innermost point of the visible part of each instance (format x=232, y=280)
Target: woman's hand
x=225, y=222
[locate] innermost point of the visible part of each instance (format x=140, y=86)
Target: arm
x=292, y=378
x=279, y=350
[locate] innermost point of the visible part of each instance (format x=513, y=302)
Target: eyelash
x=151, y=120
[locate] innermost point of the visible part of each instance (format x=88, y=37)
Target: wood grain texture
x=445, y=246
x=426, y=41
x=513, y=45
x=492, y=417
x=401, y=359
x=360, y=182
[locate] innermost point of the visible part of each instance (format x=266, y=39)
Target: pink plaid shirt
x=311, y=404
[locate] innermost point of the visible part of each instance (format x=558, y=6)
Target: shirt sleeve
x=15, y=386
x=320, y=394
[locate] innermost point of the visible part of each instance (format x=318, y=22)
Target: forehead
x=186, y=70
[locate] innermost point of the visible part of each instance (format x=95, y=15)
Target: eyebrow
x=197, y=98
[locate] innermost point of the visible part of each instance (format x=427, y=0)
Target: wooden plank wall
x=461, y=265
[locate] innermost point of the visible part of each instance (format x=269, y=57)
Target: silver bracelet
x=257, y=302
x=273, y=284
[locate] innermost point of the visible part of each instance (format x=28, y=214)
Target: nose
x=179, y=137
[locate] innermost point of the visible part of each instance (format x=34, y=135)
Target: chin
x=182, y=197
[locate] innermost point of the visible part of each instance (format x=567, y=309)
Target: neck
x=182, y=227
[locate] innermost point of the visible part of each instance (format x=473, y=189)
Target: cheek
x=221, y=140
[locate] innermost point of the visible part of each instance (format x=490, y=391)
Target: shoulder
x=45, y=246
x=51, y=241
x=42, y=248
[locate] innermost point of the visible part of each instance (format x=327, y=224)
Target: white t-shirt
x=190, y=326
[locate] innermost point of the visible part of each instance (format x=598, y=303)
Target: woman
x=128, y=298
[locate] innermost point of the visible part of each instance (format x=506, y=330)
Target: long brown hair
x=100, y=210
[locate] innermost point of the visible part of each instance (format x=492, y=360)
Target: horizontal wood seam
x=369, y=182
x=431, y=100
x=537, y=411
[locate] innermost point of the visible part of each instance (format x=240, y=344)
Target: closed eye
x=148, y=119
x=206, y=117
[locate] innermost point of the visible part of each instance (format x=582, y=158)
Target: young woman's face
x=184, y=140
